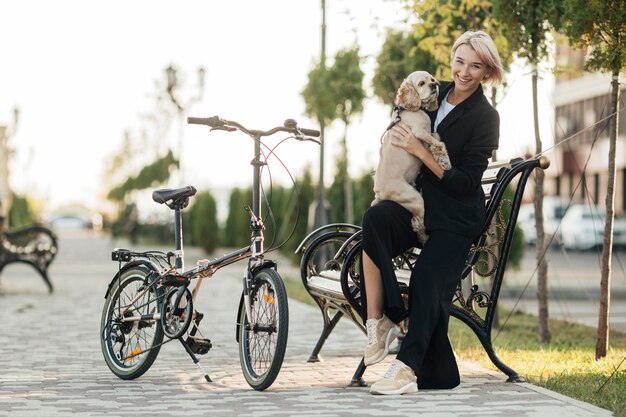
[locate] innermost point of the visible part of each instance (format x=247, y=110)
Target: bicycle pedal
x=174, y=280
x=199, y=346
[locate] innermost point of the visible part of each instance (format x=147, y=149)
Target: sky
x=82, y=73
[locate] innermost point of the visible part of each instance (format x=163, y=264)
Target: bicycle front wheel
x=130, y=341
x=262, y=342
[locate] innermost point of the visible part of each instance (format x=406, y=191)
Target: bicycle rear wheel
x=263, y=341
x=130, y=347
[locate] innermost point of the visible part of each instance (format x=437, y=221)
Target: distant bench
x=331, y=272
x=33, y=245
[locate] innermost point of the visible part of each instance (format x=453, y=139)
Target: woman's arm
x=402, y=136
x=466, y=172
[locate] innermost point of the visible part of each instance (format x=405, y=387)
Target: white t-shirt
x=443, y=111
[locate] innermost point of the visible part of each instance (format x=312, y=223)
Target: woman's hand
x=402, y=136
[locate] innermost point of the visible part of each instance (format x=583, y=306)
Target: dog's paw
x=440, y=154
x=444, y=162
x=417, y=224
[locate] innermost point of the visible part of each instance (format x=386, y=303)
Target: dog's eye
x=421, y=83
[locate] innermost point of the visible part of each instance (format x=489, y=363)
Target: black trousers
x=426, y=348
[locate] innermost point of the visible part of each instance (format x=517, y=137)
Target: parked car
x=582, y=228
x=553, y=209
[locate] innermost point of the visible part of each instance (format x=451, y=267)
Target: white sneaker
x=399, y=379
x=380, y=333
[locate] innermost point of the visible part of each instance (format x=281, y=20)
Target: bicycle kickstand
x=195, y=360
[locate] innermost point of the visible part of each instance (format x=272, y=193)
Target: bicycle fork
x=256, y=224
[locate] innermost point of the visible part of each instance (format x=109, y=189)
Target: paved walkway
x=51, y=363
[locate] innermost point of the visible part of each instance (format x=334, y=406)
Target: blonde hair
x=486, y=50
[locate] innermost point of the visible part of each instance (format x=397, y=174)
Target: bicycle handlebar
x=289, y=126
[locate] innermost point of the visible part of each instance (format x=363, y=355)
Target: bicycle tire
x=324, y=248
x=130, y=348
x=262, y=344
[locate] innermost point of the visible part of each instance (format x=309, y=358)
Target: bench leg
x=357, y=378
x=513, y=376
x=328, y=328
x=44, y=275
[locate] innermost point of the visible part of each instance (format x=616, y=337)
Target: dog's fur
x=397, y=169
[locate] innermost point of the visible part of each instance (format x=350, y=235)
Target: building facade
x=581, y=135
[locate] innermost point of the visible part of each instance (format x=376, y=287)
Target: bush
x=21, y=212
x=203, y=222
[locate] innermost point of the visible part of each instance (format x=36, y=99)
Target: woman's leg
x=386, y=233
x=426, y=347
x=374, y=285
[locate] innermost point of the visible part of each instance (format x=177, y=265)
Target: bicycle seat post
x=178, y=233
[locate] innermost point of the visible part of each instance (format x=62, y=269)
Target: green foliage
x=345, y=83
x=600, y=27
x=516, y=252
x=398, y=58
x=335, y=193
x=21, y=212
x=318, y=100
x=150, y=175
x=440, y=23
x=291, y=213
x=335, y=92
x=526, y=24
x=363, y=195
x=203, y=222
x=236, y=232
x=288, y=219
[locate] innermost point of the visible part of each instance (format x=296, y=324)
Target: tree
x=440, y=23
x=21, y=212
x=600, y=28
x=526, y=26
x=237, y=229
x=398, y=58
x=203, y=222
x=319, y=103
x=346, y=84
x=364, y=187
x=155, y=173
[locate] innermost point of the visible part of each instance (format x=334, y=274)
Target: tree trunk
x=602, y=343
x=542, y=264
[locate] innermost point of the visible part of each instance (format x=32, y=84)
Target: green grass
x=567, y=365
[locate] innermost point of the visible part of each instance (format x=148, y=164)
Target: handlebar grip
x=310, y=132
x=214, y=121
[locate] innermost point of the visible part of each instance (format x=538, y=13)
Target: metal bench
x=34, y=245
x=331, y=272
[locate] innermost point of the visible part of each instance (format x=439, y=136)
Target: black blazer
x=471, y=131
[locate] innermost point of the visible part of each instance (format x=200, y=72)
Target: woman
x=455, y=211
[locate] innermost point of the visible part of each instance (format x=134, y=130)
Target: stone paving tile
x=51, y=363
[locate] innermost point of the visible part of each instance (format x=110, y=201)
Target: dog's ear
x=408, y=97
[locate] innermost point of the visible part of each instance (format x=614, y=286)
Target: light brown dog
x=397, y=169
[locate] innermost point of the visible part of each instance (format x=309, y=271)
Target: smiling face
x=468, y=71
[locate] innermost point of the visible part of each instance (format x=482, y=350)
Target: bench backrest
x=496, y=178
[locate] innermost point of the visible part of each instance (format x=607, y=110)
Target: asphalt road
x=573, y=285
